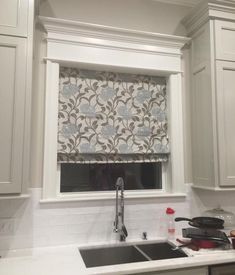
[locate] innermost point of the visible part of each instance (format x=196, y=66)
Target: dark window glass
x=102, y=177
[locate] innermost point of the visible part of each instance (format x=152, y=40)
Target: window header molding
x=76, y=28
x=69, y=40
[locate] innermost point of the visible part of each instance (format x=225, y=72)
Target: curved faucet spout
x=119, y=226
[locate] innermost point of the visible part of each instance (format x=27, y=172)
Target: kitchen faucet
x=119, y=226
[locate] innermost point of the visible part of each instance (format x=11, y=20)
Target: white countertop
x=66, y=260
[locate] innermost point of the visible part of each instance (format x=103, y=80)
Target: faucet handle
x=144, y=236
x=115, y=227
x=123, y=233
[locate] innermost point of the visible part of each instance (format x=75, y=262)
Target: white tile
x=92, y=222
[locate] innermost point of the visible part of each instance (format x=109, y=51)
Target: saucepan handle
x=179, y=219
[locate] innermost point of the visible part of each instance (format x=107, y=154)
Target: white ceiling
x=186, y=3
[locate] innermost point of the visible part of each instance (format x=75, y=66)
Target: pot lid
x=218, y=212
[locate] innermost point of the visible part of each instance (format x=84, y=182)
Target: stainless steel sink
x=161, y=251
x=112, y=255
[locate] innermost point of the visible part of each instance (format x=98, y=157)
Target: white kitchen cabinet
x=213, y=95
x=16, y=44
x=14, y=17
x=12, y=100
x=225, y=87
x=191, y=271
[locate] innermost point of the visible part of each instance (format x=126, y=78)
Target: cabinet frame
x=14, y=184
x=212, y=28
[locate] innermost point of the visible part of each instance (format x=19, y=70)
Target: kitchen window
x=102, y=177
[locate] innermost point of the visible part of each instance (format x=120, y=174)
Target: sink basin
x=112, y=255
x=161, y=251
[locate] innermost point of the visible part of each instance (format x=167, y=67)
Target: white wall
x=146, y=15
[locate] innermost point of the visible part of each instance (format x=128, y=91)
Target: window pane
x=102, y=177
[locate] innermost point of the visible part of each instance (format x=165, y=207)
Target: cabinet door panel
x=225, y=40
x=12, y=97
x=202, y=132
x=13, y=17
x=228, y=269
x=192, y=271
x=226, y=121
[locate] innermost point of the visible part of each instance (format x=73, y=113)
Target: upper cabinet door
x=225, y=40
x=12, y=98
x=14, y=17
x=226, y=121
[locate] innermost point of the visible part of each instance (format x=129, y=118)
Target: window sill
x=111, y=196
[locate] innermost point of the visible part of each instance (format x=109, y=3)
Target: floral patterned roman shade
x=111, y=117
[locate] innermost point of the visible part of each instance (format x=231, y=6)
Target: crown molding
x=185, y=3
x=59, y=28
x=209, y=9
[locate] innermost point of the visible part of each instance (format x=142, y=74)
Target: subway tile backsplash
x=37, y=225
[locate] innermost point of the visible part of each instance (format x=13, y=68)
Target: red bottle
x=170, y=213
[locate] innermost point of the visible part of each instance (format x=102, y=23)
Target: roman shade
x=111, y=117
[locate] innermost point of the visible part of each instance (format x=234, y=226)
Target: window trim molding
x=96, y=47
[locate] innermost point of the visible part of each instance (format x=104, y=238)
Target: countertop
x=66, y=260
